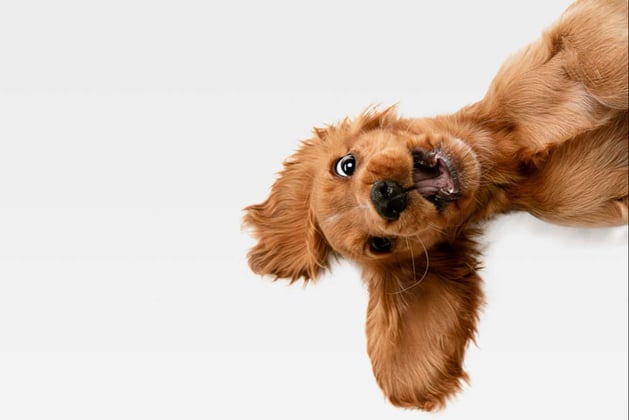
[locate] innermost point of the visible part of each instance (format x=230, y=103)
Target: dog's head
x=386, y=193
x=374, y=189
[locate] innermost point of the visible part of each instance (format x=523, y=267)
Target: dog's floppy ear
x=417, y=331
x=290, y=244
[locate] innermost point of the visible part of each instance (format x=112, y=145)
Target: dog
x=406, y=198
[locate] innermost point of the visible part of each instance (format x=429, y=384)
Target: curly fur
x=549, y=138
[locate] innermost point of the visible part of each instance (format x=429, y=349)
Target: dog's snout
x=389, y=198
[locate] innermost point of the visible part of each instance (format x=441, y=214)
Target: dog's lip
x=434, y=174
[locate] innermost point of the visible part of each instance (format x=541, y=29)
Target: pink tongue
x=429, y=181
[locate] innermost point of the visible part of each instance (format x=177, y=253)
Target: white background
x=133, y=133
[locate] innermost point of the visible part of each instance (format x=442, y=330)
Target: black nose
x=389, y=199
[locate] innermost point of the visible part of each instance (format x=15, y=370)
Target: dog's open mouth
x=435, y=177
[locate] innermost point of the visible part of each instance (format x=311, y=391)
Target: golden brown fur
x=550, y=138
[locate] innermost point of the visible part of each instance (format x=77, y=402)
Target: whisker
x=405, y=289
x=410, y=248
x=435, y=228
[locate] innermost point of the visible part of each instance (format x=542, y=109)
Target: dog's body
x=404, y=197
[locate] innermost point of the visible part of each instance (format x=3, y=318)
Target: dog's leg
x=610, y=213
x=574, y=79
x=583, y=182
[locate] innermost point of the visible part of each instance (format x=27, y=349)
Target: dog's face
x=374, y=189
x=383, y=192
x=387, y=194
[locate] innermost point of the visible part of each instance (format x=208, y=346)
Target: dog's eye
x=345, y=166
x=380, y=245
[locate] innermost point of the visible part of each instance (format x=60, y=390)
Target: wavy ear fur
x=418, y=330
x=289, y=242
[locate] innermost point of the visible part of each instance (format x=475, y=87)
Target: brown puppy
x=404, y=197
